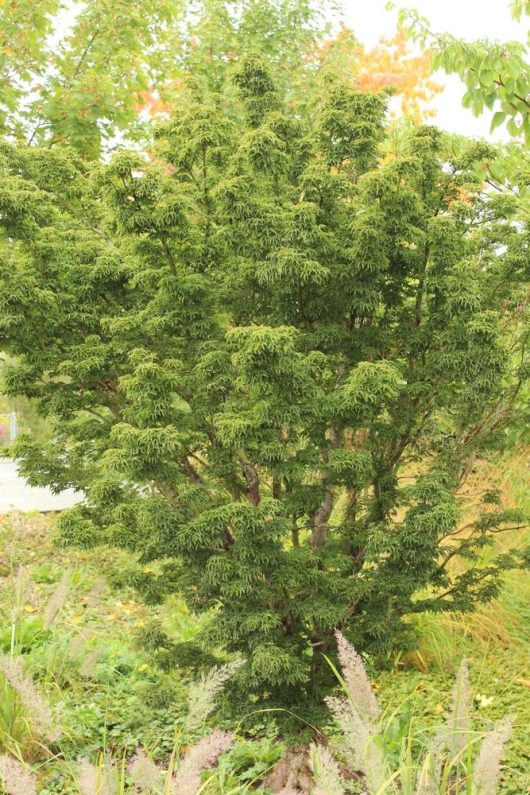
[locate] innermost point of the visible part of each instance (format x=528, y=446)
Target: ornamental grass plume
x=22, y=592
x=31, y=699
x=57, y=599
x=87, y=777
x=203, y=693
x=357, y=682
x=429, y=776
x=326, y=771
x=16, y=779
x=199, y=758
x=443, y=761
x=144, y=774
x=458, y=724
x=487, y=767
x=88, y=665
x=358, y=714
x=80, y=640
x=359, y=736
x=96, y=779
x=96, y=593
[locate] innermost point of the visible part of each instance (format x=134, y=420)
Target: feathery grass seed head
x=88, y=665
x=87, y=777
x=96, y=592
x=359, y=737
x=96, y=779
x=326, y=772
x=22, y=589
x=144, y=773
x=16, y=779
x=57, y=599
x=203, y=693
x=487, y=766
x=203, y=755
x=354, y=673
x=31, y=699
x=458, y=724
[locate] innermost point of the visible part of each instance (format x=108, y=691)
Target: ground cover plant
x=80, y=700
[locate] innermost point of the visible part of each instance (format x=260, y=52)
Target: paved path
x=16, y=495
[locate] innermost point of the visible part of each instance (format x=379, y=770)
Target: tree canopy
x=271, y=352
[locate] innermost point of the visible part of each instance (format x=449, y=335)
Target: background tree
x=80, y=86
x=82, y=76
x=271, y=355
x=24, y=28
x=497, y=77
x=496, y=74
x=390, y=64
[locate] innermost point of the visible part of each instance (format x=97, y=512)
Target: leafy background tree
x=81, y=89
x=390, y=63
x=496, y=73
x=86, y=85
x=84, y=78
x=272, y=353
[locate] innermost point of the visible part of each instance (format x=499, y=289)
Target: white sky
x=467, y=19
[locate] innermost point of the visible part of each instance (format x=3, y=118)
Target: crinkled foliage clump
x=270, y=352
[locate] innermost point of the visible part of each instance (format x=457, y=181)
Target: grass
x=86, y=662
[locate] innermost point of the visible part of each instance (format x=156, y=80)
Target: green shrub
x=271, y=352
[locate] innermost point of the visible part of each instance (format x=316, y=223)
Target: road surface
x=16, y=495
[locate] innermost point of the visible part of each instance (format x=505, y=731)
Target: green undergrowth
x=495, y=640
x=105, y=662
x=106, y=693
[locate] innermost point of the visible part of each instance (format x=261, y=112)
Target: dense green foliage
x=271, y=352
x=497, y=79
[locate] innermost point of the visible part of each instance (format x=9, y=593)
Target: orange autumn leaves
x=391, y=63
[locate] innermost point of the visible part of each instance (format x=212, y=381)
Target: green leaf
x=497, y=120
